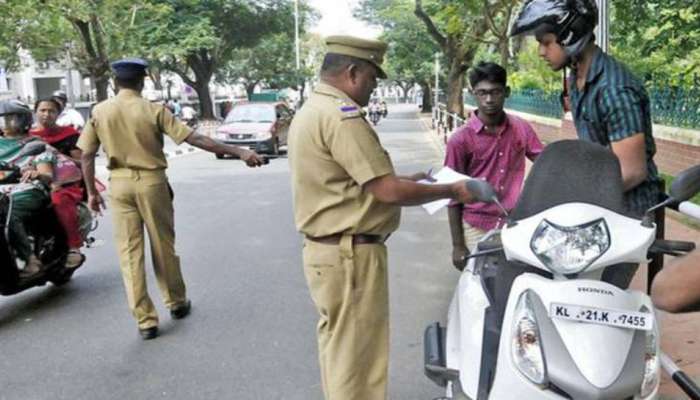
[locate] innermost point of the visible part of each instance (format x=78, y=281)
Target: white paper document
x=445, y=176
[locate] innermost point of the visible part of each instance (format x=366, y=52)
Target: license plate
x=622, y=319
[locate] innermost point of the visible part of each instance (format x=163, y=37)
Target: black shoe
x=181, y=311
x=149, y=333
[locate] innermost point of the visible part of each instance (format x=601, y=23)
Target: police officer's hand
x=459, y=254
x=252, y=159
x=96, y=203
x=460, y=193
x=419, y=176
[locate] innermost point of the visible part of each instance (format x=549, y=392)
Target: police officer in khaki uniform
x=131, y=130
x=346, y=203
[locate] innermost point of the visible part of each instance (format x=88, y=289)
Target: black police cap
x=129, y=68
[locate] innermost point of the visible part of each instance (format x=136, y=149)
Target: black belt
x=359, y=238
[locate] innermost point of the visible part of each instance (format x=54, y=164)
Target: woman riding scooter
x=67, y=190
x=32, y=194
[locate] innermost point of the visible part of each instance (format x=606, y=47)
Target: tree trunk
x=503, y=46
x=404, y=98
x=427, y=105
x=250, y=88
x=302, y=89
x=101, y=85
x=455, y=86
x=206, y=108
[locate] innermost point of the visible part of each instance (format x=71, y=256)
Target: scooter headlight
x=526, y=346
x=651, y=362
x=570, y=249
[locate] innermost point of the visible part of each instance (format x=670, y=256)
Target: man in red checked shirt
x=492, y=145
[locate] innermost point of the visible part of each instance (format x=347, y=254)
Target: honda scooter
x=47, y=236
x=531, y=317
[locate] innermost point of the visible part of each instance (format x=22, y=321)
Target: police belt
x=359, y=238
x=137, y=173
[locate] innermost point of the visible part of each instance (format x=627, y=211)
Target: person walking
x=347, y=201
x=609, y=104
x=130, y=129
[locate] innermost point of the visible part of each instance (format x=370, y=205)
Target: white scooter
x=531, y=318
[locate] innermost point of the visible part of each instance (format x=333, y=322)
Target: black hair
x=488, y=71
x=55, y=102
x=130, y=83
x=334, y=63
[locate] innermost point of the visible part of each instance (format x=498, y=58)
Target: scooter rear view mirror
x=33, y=149
x=482, y=191
x=686, y=184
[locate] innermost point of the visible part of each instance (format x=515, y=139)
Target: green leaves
x=658, y=39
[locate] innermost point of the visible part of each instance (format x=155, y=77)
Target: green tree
x=658, y=38
x=200, y=37
x=460, y=29
x=272, y=62
x=409, y=59
x=90, y=32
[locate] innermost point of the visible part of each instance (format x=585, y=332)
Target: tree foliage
x=410, y=57
x=272, y=63
x=90, y=32
x=658, y=39
x=460, y=29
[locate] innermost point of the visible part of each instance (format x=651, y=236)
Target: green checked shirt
x=614, y=105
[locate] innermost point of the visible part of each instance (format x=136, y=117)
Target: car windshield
x=252, y=113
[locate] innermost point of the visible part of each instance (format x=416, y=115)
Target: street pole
x=603, y=29
x=296, y=31
x=437, y=85
x=296, y=50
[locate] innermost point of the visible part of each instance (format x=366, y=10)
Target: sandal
x=32, y=267
x=74, y=259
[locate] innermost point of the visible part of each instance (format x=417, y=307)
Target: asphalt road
x=251, y=334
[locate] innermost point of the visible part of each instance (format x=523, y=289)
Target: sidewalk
x=679, y=333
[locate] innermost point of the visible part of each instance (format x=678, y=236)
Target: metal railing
x=675, y=106
x=538, y=102
x=670, y=106
x=445, y=122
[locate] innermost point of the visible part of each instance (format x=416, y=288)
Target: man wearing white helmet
x=610, y=106
x=68, y=116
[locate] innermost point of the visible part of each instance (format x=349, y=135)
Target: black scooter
x=48, y=237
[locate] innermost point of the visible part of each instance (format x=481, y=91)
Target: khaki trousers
x=472, y=236
x=141, y=198
x=350, y=289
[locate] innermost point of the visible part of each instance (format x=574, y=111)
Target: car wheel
x=219, y=156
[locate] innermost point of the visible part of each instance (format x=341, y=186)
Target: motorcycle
x=46, y=233
x=374, y=116
x=530, y=315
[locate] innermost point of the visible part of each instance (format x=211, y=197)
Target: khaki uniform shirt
x=333, y=151
x=131, y=130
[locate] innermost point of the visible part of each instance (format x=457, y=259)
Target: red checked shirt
x=497, y=157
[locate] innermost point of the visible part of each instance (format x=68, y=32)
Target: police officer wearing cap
x=347, y=201
x=130, y=129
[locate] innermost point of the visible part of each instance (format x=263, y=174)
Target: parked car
x=259, y=126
